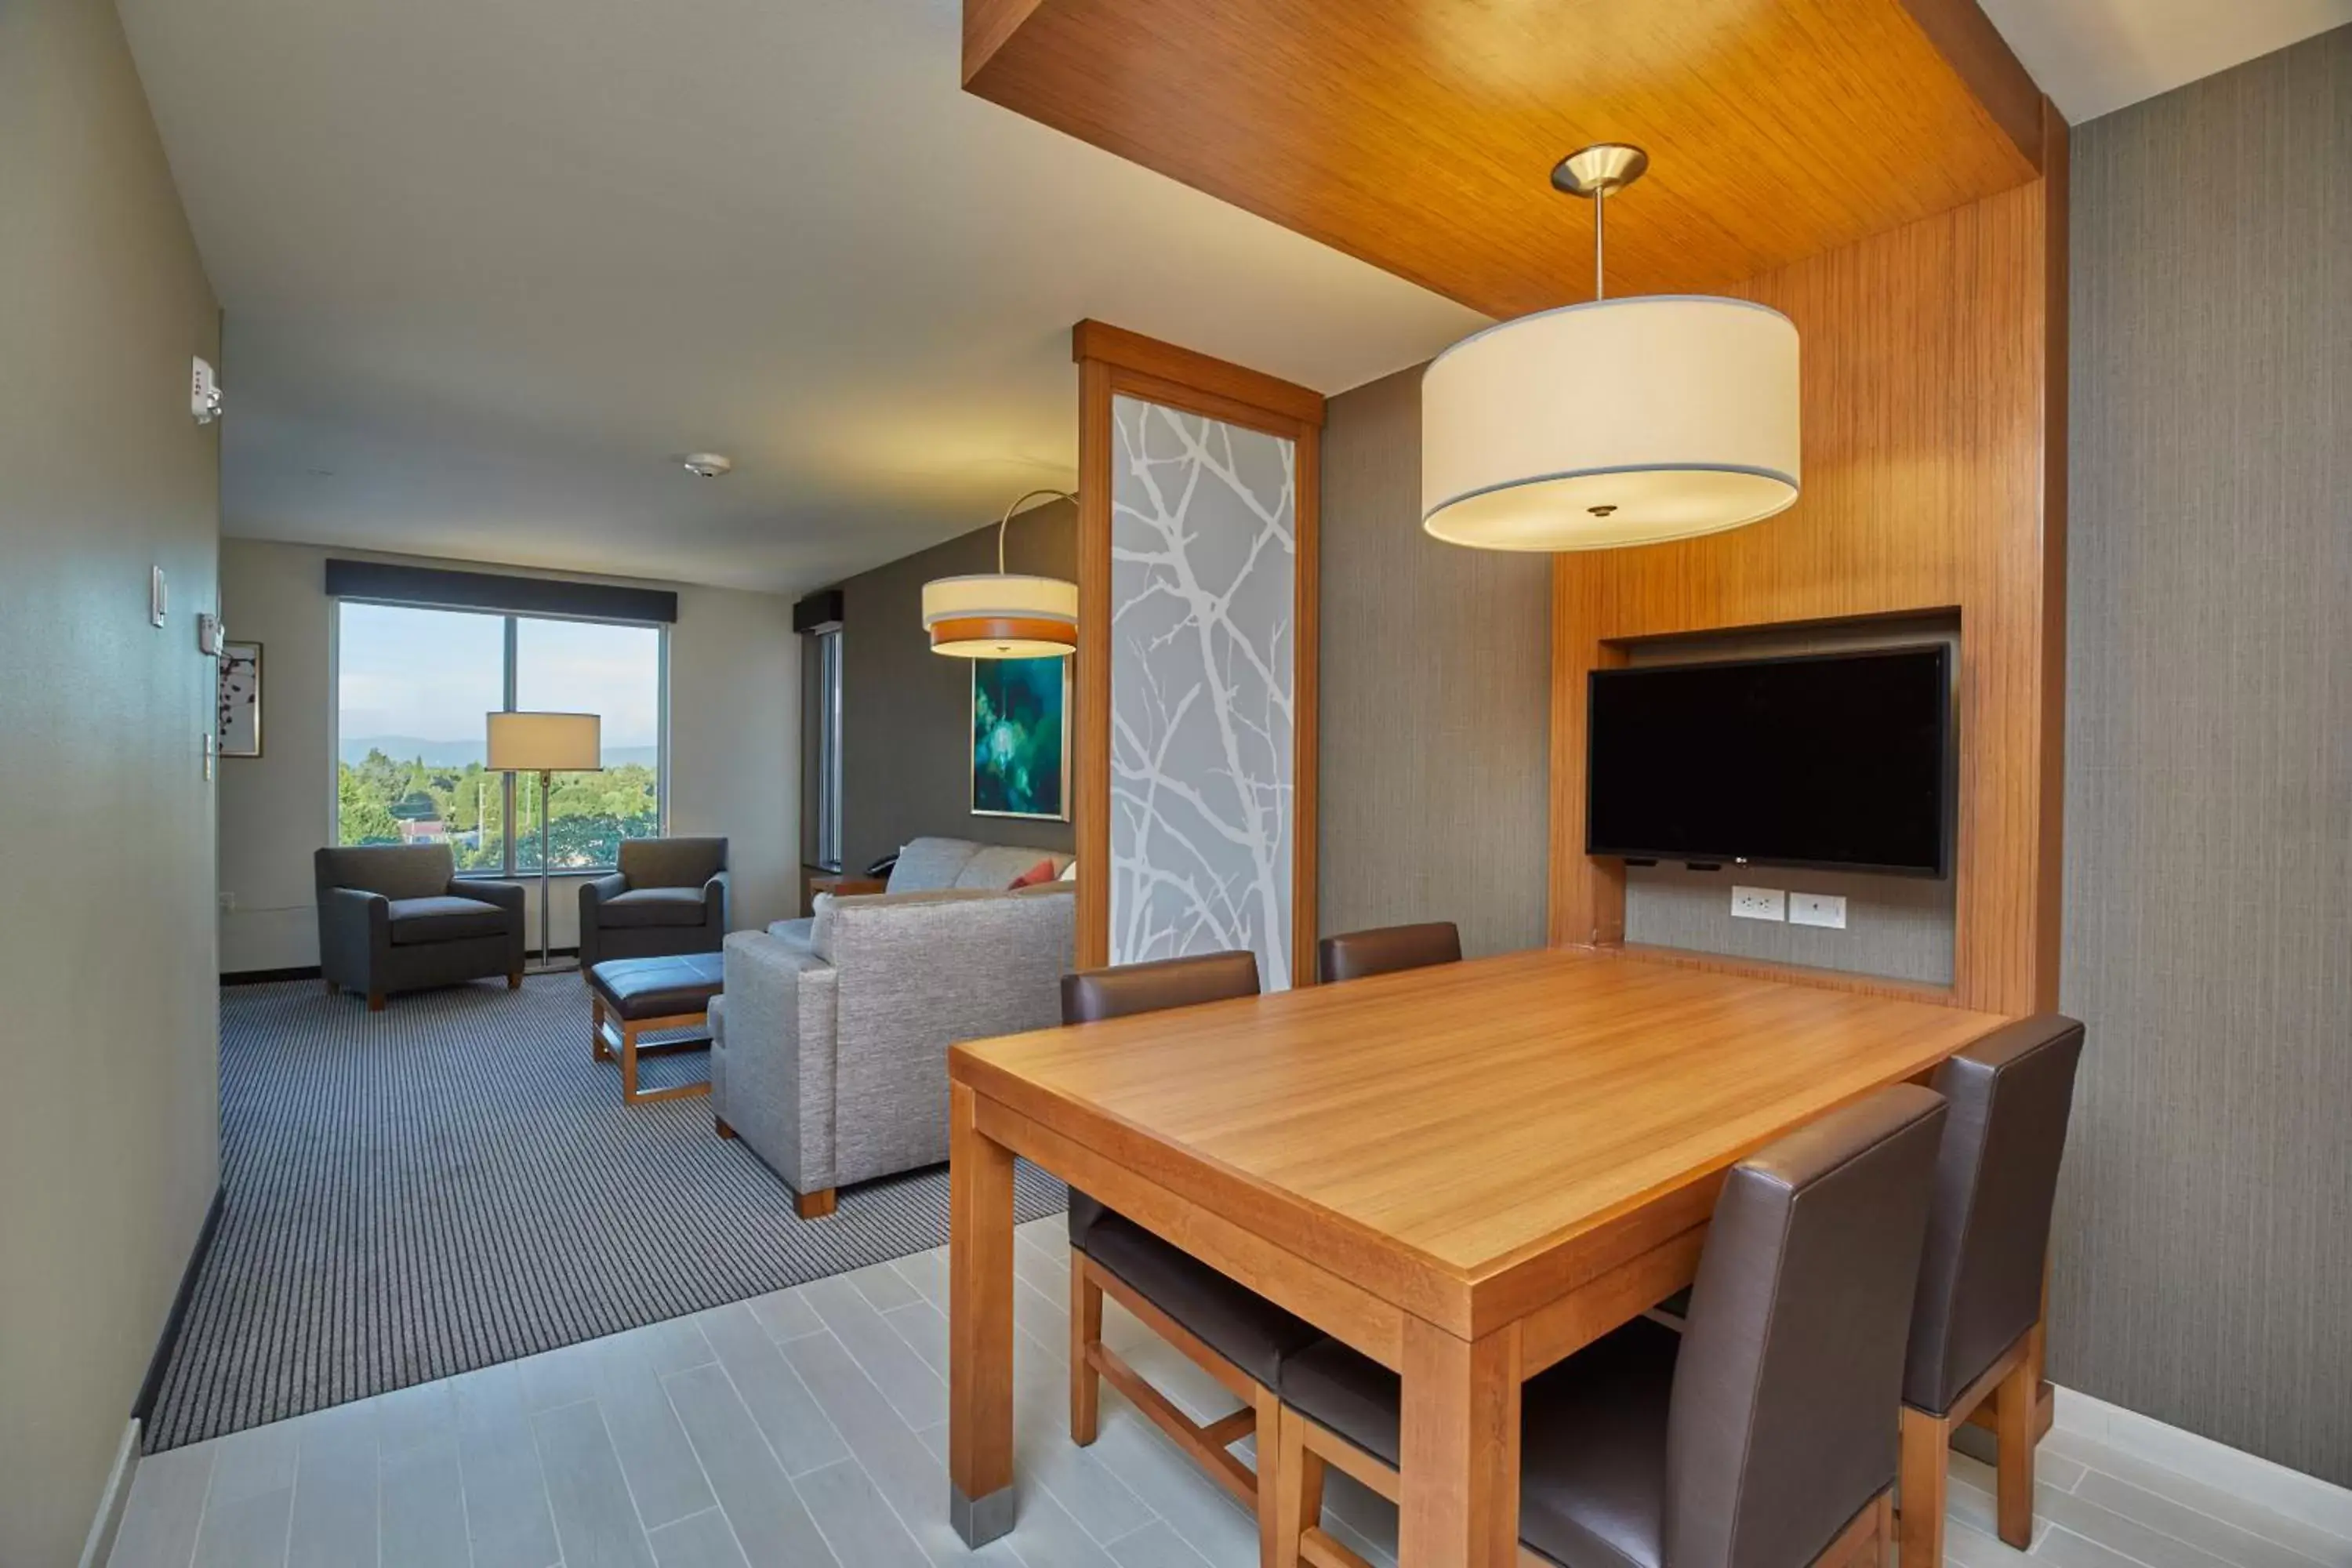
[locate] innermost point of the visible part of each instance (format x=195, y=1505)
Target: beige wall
x=2203, y=1259
x=734, y=697
x=108, y=1118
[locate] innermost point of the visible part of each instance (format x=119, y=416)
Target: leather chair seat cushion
x=1592, y=1444
x=1235, y=1322
x=655, y=907
x=660, y=987
x=443, y=918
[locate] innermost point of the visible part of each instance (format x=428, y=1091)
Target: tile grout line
x=639, y=1514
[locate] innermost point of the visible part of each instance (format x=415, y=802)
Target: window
x=820, y=749
x=412, y=688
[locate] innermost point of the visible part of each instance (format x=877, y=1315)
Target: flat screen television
x=1836, y=760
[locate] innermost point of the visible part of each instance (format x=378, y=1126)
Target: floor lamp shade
x=545, y=743
x=1613, y=422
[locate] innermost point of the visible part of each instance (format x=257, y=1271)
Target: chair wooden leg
x=514, y=979
x=1086, y=1328
x=1298, y=1488
x=2013, y=1403
x=333, y=989
x=1926, y=1472
x=375, y=1001
x=816, y=1204
x=1270, y=1472
x=718, y=1124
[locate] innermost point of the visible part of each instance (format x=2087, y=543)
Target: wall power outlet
x=1758, y=904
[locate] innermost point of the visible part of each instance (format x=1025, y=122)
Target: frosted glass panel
x=1202, y=574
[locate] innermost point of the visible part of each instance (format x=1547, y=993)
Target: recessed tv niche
x=1825, y=759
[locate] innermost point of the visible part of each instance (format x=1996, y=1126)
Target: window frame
x=510, y=642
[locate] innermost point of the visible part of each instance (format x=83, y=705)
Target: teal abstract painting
x=1020, y=737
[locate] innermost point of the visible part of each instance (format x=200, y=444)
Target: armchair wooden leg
x=718, y=1124
x=1926, y=1471
x=333, y=989
x=816, y=1204
x=375, y=1001
x=1086, y=1328
x=1298, y=1488
x=514, y=979
x=2013, y=1411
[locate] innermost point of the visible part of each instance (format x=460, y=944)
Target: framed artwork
x=1021, y=737
x=239, y=718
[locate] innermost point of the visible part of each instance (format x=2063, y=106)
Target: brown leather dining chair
x=1355, y=954
x=1231, y=1332
x=1759, y=1436
x=1980, y=1275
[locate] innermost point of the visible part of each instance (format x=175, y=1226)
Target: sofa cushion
x=925, y=865
x=442, y=918
x=655, y=907
x=995, y=865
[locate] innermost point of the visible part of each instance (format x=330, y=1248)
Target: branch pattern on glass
x=1204, y=563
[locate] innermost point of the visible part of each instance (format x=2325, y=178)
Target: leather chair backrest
x=1989, y=1227
x=672, y=862
x=394, y=870
x=1093, y=994
x=1358, y=953
x=1783, y=1422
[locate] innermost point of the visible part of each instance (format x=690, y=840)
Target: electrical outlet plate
x=1758, y=904
x=1817, y=909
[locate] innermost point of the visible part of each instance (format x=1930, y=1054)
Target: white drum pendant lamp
x=999, y=615
x=1613, y=422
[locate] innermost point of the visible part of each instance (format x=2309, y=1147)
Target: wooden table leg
x=980, y=1326
x=1459, y=1504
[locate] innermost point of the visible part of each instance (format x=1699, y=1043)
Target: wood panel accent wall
x=1932, y=358
x=1115, y=363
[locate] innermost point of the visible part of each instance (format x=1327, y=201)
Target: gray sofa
x=394, y=917
x=669, y=897
x=829, y=1053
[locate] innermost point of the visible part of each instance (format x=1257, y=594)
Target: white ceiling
x=2094, y=56
x=487, y=267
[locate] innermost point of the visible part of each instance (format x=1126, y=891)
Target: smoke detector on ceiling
x=706, y=465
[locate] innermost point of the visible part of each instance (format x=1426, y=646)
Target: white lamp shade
x=999, y=615
x=545, y=743
x=1613, y=422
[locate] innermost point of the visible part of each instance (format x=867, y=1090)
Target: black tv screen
x=1831, y=760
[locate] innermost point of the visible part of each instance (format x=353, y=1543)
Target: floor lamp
x=545, y=744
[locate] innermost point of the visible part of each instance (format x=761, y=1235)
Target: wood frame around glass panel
x=1113, y=363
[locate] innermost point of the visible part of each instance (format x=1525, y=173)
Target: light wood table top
x=1466, y=1172
x=1434, y=1133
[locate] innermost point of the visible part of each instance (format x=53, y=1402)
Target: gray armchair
x=394, y=917
x=669, y=897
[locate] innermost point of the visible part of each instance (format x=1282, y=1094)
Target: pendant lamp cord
x=1006, y=521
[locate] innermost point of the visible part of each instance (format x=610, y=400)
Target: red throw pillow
x=1042, y=871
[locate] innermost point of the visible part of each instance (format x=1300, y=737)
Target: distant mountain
x=458, y=753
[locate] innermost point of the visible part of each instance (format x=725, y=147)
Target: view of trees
x=384, y=801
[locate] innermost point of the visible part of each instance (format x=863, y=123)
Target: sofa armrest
x=354, y=933
x=777, y=1093
x=512, y=896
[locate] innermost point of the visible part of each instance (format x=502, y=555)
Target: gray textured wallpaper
x=2204, y=1243
x=1202, y=656
x=1435, y=698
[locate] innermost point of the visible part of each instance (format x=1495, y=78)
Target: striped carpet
x=453, y=1182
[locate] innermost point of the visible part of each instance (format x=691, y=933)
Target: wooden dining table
x=1465, y=1172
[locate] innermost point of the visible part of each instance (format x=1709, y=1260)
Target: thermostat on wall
x=205, y=394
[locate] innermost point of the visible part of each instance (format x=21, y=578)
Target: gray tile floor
x=809, y=1427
